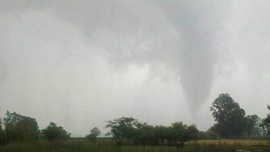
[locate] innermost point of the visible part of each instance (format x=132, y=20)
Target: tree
x=143, y=134
x=2, y=133
x=53, y=132
x=265, y=124
x=258, y=130
x=183, y=133
x=192, y=132
x=20, y=128
x=229, y=116
x=180, y=134
x=122, y=128
x=1, y=125
x=251, y=121
x=162, y=133
x=93, y=134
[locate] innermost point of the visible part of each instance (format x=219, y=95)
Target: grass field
x=83, y=146
x=246, y=142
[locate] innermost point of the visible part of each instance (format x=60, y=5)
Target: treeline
x=18, y=128
x=132, y=131
x=231, y=122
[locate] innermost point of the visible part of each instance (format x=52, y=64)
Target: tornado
x=197, y=23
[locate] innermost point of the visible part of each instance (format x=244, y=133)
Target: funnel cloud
x=198, y=23
x=81, y=63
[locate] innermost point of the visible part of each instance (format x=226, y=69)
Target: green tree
x=1, y=129
x=176, y=134
x=143, y=134
x=251, y=122
x=122, y=128
x=192, y=132
x=180, y=133
x=162, y=133
x=265, y=124
x=93, y=134
x=229, y=117
x=258, y=131
x=53, y=132
x=2, y=134
x=20, y=128
x=183, y=133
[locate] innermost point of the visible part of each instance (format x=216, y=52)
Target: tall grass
x=83, y=146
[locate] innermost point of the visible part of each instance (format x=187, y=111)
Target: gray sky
x=80, y=63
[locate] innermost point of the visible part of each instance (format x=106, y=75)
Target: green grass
x=71, y=146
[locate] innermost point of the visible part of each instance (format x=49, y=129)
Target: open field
x=246, y=142
x=84, y=146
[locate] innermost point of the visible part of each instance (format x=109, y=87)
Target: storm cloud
x=81, y=63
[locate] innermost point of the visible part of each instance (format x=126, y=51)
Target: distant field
x=247, y=142
x=107, y=145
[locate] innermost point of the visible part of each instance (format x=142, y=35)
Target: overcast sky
x=80, y=63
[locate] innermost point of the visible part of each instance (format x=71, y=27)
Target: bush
x=93, y=134
x=53, y=132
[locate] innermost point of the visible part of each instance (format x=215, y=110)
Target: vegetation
x=2, y=134
x=266, y=123
x=53, y=132
x=93, y=134
x=21, y=133
x=122, y=128
x=252, y=125
x=231, y=120
x=135, y=132
x=20, y=128
x=229, y=116
x=100, y=146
